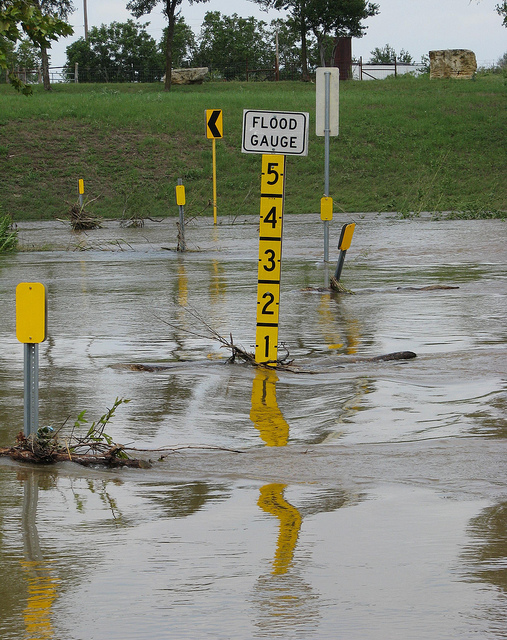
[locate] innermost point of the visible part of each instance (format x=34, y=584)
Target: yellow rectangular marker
x=326, y=208
x=272, y=180
x=180, y=195
x=346, y=236
x=81, y=186
x=268, y=303
x=30, y=312
x=266, y=344
x=214, y=123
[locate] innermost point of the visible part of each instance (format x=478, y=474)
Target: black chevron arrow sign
x=214, y=123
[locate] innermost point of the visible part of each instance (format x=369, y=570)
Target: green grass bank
x=406, y=145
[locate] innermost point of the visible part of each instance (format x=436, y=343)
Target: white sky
x=417, y=26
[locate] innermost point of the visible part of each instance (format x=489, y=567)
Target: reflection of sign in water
x=271, y=500
x=265, y=413
x=39, y=574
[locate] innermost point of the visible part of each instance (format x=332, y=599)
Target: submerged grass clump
x=8, y=235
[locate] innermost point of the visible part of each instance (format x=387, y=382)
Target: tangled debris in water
x=81, y=220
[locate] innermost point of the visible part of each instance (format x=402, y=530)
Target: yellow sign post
x=80, y=189
x=214, y=130
x=31, y=330
x=344, y=244
x=270, y=258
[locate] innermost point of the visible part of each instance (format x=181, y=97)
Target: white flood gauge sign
x=275, y=132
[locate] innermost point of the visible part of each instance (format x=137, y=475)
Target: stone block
x=452, y=63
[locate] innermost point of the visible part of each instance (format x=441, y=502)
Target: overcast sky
x=417, y=26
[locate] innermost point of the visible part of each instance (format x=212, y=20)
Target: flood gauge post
x=275, y=135
x=31, y=322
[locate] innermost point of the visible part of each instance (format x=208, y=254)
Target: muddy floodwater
x=352, y=500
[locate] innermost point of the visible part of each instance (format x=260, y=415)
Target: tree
x=23, y=17
x=120, y=51
x=387, y=55
x=184, y=44
x=336, y=18
x=62, y=9
x=501, y=9
x=226, y=41
x=140, y=8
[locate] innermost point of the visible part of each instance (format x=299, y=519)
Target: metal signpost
x=80, y=188
x=274, y=134
x=327, y=124
x=214, y=130
x=180, y=201
x=31, y=330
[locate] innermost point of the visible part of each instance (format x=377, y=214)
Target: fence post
x=76, y=72
x=360, y=67
x=395, y=68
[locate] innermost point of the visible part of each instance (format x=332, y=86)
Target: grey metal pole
x=181, y=240
x=31, y=418
x=327, y=131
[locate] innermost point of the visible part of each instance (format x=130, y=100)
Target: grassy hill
x=406, y=144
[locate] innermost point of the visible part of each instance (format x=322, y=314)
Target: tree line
x=305, y=38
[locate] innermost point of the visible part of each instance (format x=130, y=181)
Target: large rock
x=452, y=63
x=188, y=76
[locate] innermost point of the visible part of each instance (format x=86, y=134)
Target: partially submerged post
x=343, y=244
x=31, y=330
x=180, y=201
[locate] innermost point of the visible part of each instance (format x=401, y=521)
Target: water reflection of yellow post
x=265, y=413
x=328, y=323
x=42, y=585
x=217, y=283
x=271, y=500
x=182, y=285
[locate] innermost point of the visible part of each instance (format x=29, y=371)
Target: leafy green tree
x=226, y=41
x=140, y=8
x=119, y=52
x=336, y=19
x=184, y=44
x=501, y=9
x=323, y=18
x=387, y=55
x=62, y=9
x=23, y=17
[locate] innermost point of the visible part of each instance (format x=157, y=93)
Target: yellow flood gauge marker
x=274, y=134
x=214, y=130
x=31, y=330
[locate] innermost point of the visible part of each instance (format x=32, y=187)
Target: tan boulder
x=194, y=75
x=452, y=63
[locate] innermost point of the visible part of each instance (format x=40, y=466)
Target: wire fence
x=240, y=72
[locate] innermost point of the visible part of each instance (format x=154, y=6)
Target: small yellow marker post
x=31, y=330
x=80, y=189
x=270, y=258
x=180, y=201
x=214, y=130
